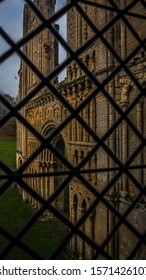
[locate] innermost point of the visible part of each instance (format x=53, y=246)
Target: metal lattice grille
x=116, y=168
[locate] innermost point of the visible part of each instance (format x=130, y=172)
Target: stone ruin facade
x=45, y=113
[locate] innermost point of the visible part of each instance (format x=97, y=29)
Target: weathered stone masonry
x=45, y=113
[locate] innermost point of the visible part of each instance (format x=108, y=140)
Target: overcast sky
x=11, y=17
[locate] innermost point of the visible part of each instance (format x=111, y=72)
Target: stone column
x=91, y=117
x=85, y=134
x=41, y=182
x=46, y=183
x=139, y=113
x=123, y=34
x=31, y=73
x=89, y=167
x=95, y=166
x=74, y=92
x=70, y=126
x=124, y=103
x=71, y=131
x=119, y=183
x=80, y=128
x=87, y=110
x=94, y=114
x=51, y=180
x=112, y=142
x=73, y=220
x=37, y=189
x=48, y=179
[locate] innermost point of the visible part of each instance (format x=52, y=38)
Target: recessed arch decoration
x=54, y=165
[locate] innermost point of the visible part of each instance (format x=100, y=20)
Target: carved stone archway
x=53, y=164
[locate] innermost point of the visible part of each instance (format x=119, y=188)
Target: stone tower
x=41, y=49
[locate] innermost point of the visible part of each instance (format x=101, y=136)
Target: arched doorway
x=53, y=164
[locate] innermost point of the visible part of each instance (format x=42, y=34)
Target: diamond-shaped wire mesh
x=81, y=142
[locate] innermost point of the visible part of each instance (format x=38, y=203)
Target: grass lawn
x=8, y=152
x=43, y=237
